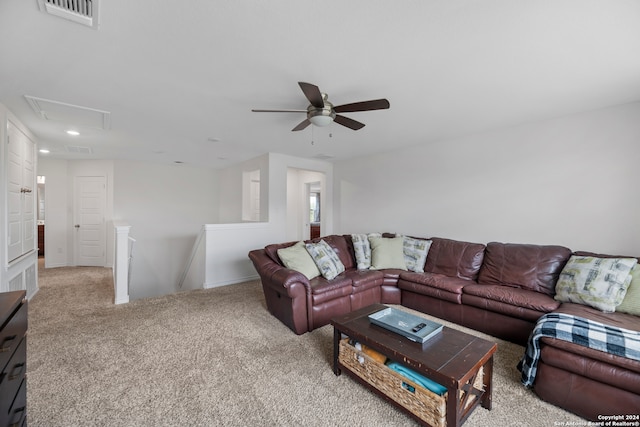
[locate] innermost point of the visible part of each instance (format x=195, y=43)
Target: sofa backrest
x=593, y=254
x=532, y=267
x=272, y=250
x=454, y=258
x=343, y=248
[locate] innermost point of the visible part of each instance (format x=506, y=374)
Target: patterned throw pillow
x=326, y=259
x=415, y=253
x=297, y=258
x=387, y=252
x=598, y=282
x=631, y=302
x=362, y=249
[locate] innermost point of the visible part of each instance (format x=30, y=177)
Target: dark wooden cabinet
x=40, y=239
x=13, y=359
x=315, y=231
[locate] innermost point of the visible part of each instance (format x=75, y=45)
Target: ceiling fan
x=321, y=112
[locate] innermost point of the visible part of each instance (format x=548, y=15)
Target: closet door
x=29, y=195
x=20, y=195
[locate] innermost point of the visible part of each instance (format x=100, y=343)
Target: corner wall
x=166, y=206
x=571, y=181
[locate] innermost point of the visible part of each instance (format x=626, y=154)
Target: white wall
x=59, y=193
x=57, y=213
x=227, y=244
x=230, y=190
x=572, y=181
x=279, y=165
x=166, y=206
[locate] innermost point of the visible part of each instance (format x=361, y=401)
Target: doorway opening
x=307, y=204
x=314, y=196
x=40, y=181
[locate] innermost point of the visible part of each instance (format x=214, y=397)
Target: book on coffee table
x=413, y=327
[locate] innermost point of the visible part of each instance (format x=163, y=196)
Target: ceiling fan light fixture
x=321, y=120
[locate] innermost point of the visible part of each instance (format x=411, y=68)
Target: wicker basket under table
x=421, y=402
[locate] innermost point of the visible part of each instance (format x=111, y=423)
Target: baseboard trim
x=209, y=285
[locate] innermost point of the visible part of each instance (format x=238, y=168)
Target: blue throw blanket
x=585, y=332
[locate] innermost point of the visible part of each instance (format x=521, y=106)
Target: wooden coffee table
x=452, y=358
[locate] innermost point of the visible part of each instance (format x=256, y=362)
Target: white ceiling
x=176, y=74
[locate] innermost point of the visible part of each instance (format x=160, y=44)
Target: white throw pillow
x=597, y=282
x=387, y=252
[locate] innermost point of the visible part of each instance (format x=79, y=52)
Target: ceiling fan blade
x=279, y=111
x=350, y=123
x=313, y=94
x=376, y=104
x=303, y=124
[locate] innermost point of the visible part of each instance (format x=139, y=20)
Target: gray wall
x=166, y=207
x=571, y=181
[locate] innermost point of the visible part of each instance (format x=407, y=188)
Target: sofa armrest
x=291, y=280
x=277, y=277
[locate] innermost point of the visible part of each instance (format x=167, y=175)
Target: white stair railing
x=123, y=247
x=194, y=251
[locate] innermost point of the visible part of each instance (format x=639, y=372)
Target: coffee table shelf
x=459, y=361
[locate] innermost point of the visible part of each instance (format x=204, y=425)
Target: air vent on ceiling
x=83, y=12
x=70, y=114
x=323, y=156
x=78, y=150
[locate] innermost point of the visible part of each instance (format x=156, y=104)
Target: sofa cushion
x=532, y=267
x=387, y=252
x=524, y=298
x=297, y=258
x=326, y=259
x=454, y=258
x=619, y=320
x=391, y=276
x=598, y=282
x=323, y=290
x=364, y=279
x=433, y=285
x=440, y=281
x=631, y=302
x=415, y=253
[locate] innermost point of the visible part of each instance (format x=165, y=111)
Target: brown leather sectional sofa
x=500, y=289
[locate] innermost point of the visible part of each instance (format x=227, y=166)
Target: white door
x=20, y=193
x=29, y=197
x=89, y=225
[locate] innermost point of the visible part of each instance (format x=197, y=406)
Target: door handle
x=77, y=226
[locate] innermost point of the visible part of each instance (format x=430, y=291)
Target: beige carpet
x=208, y=358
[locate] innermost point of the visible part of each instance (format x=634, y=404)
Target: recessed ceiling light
x=213, y=139
x=73, y=132
x=44, y=151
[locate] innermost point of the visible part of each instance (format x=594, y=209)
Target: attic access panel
x=73, y=115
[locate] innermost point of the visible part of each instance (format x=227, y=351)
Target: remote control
x=420, y=326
